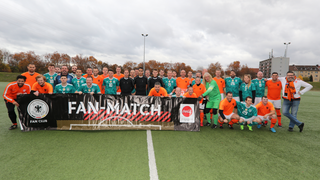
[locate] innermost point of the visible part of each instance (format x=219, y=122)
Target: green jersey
x=78, y=82
x=73, y=75
x=110, y=85
x=50, y=79
x=212, y=91
x=232, y=85
x=247, y=91
x=260, y=86
x=246, y=112
x=169, y=84
x=176, y=95
x=85, y=89
x=64, y=89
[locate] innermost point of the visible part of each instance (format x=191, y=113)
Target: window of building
x=301, y=71
x=316, y=75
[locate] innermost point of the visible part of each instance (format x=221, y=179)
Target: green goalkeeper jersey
x=85, y=89
x=247, y=91
x=78, y=82
x=246, y=112
x=169, y=84
x=232, y=85
x=110, y=85
x=50, y=79
x=212, y=91
x=64, y=89
x=260, y=86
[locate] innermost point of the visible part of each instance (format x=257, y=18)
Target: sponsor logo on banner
x=187, y=113
x=38, y=109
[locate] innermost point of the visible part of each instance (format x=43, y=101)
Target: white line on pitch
x=153, y=172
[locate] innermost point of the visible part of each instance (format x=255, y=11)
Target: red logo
x=187, y=111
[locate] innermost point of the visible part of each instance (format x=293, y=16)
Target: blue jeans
x=294, y=105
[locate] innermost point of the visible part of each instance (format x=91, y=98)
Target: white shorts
x=118, y=93
x=202, y=106
x=228, y=116
x=276, y=103
x=264, y=119
x=236, y=98
x=257, y=100
x=248, y=120
x=222, y=96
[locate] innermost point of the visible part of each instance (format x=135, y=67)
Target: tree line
x=18, y=62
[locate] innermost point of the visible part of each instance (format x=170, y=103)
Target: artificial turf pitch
x=208, y=154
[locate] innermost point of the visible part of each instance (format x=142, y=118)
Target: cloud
x=195, y=32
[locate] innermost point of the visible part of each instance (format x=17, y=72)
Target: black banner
x=107, y=112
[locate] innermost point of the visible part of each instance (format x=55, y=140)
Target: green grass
x=316, y=86
x=208, y=154
x=8, y=77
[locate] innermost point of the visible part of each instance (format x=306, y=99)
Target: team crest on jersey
x=38, y=109
x=267, y=107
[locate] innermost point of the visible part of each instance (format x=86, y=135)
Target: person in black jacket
x=154, y=79
x=126, y=84
x=141, y=83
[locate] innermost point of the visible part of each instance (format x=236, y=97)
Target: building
x=303, y=71
x=274, y=64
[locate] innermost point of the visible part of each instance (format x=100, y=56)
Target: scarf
x=290, y=90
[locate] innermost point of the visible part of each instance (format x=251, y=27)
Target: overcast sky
x=195, y=32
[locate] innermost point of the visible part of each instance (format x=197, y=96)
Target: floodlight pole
x=285, y=52
x=144, y=51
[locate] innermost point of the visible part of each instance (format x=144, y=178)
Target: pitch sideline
x=153, y=172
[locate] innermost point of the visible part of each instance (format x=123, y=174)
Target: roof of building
x=304, y=68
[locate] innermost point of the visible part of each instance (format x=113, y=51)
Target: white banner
x=187, y=113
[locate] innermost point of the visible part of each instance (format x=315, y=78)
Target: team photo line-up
x=224, y=101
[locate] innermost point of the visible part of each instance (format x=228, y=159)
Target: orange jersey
x=199, y=90
x=274, y=90
x=264, y=109
x=103, y=77
x=31, y=79
x=227, y=106
x=12, y=89
x=45, y=89
x=98, y=80
x=187, y=95
x=221, y=84
x=190, y=80
x=182, y=83
x=118, y=77
x=86, y=75
x=162, y=92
